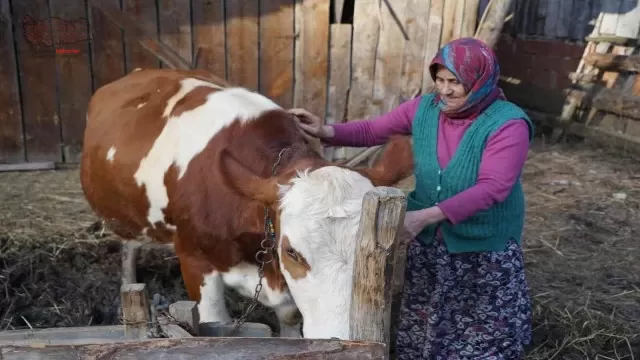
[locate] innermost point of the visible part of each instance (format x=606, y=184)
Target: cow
x=184, y=159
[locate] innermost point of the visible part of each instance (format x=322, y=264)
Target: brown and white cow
x=186, y=159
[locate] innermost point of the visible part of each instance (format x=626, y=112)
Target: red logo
x=54, y=31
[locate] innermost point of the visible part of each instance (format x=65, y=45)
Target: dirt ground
x=59, y=268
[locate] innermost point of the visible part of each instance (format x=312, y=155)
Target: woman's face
x=450, y=89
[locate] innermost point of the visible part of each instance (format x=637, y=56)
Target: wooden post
x=135, y=310
x=383, y=211
x=492, y=21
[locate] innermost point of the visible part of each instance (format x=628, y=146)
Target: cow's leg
x=290, y=320
x=204, y=286
x=130, y=251
x=212, y=306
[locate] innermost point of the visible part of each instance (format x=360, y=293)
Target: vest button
x=438, y=188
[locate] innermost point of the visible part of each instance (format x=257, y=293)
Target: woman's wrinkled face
x=450, y=89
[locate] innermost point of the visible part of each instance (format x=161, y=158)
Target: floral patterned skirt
x=463, y=306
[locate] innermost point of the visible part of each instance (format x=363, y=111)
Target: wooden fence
x=290, y=50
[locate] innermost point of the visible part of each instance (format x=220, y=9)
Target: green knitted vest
x=488, y=230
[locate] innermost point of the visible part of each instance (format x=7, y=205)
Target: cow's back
x=124, y=120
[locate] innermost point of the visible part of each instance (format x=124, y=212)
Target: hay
x=59, y=268
x=582, y=257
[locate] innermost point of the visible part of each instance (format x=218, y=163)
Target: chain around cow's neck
x=264, y=256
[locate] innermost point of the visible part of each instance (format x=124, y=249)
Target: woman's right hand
x=311, y=124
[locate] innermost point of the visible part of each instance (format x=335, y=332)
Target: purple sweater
x=502, y=160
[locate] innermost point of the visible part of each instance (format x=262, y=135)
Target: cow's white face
x=319, y=218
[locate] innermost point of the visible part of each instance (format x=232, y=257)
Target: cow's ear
x=238, y=177
x=394, y=164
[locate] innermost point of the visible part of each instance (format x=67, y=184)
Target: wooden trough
x=147, y=333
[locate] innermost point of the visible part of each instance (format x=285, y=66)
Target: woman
x=465, y=293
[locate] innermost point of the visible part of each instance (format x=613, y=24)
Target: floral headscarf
x=476, y=67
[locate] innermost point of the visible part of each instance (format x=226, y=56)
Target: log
x=203, y=349
x=613, y=62
x=383, y=210
x=606, y=99
x=492, y=22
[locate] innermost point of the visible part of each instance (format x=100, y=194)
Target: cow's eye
x=292, y=254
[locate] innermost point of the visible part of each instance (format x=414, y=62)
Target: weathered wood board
x=108, y=54
x=209, y=33
x=312, y=55
x=277, y=62
x=389, y=56
x=205, y=349
x=174, y=18
x=11, y=135
x=242, y=42
x=37, y=76
x=416, y=22
x=363, y=56
x=74, y=80
x=339, y=80
x=146, y=14
x=432, y=42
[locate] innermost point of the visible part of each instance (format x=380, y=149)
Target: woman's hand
x=311, y=124
x=415, y=221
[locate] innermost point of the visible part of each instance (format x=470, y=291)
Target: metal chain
x=264, y=256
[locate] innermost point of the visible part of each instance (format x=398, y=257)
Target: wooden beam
x=150, y=42
x=612, y=62
x=613, y=39
x=599, y=135
x=582, y=77
x=205, y=348
x=383, y=210
x=63, y=336
x=606, y=99
x=605, y=137
x=33, y=166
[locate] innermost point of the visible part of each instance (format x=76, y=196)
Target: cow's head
x=318, y=217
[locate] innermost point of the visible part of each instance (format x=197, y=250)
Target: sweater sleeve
x=375, y=131
x=500, y=167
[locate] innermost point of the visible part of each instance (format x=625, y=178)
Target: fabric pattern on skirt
x=463, y=305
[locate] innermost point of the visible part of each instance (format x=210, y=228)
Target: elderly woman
x=465, y=294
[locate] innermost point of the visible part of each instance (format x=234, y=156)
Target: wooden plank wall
x=570, y=20
x=290, y=50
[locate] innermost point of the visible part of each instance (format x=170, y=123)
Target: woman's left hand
x=415, y=221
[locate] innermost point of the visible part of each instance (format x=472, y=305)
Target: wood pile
x=603, y=103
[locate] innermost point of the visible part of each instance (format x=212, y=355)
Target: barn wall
x=294, y=51
x=342, y=65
